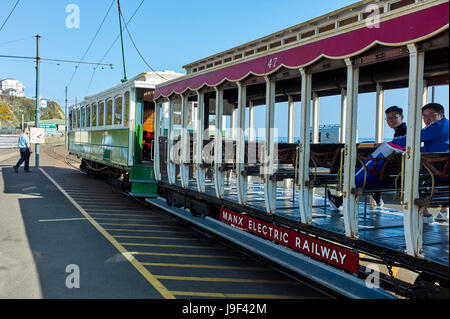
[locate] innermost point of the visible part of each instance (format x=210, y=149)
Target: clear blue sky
x=169, y=34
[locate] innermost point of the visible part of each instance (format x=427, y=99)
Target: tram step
x=143, y=189
x=142, y=173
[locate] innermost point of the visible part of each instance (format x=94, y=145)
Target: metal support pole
x=65, y=121
x=379, y=114
x=37, y=98
x=121, y=41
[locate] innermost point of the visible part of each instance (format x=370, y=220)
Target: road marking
x=61, y=219
x=225, y=295
x=132, y=215
x=148, y=230
x=173, y=246
x=155, y=237
x=128, y=219
x=140, y=225
x=211, y=279
x=186, y=255
x=204, y=266
x=144, y=271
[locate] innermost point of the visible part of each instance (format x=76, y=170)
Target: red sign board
x=307, y=245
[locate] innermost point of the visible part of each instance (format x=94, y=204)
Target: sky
x=169, y=34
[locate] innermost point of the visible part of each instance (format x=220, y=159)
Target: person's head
x=25, y=130
x=394, y=116
x=432, y=112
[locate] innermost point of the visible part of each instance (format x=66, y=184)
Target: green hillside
x=12, y=108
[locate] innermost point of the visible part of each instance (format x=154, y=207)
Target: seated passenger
x=394, y=118
x=435, y=137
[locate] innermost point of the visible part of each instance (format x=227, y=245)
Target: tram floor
x=121, y=248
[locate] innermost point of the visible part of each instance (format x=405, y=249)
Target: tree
x=6, y=113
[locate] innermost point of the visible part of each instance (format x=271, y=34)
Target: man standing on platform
x=25, y=151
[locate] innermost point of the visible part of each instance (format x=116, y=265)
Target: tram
x=216, y=170
x=272, y=189
x=113, y=132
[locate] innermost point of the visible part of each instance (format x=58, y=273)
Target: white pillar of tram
x=424, y=97
x=305, y=191
x=156, y=159
x=315, y=120
x=171, y=167
x=241, y=181
x=288, y=182
x=379, y=114
x=251, y=121
x=200, y=136
x=350, y=202
x=270, y=186
x=218, y=150
x=343, y=113
x=185, y=142
x=412, y=216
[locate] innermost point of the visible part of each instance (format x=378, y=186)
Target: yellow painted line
x=211, y=279
x=187, y=255
x=126, y=219
x=148, y=231
x=225, y=295
x=132, y=215
x=144, y=271
x=172, y=246
x=156, y=237
x=117, y=210
x=204, y=266
x=140, y=225
x=61, y=219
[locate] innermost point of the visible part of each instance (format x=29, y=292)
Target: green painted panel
x=142, y=188
x=104, y=146
x=142, y=173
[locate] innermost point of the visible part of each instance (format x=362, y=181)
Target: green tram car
x=113, y=132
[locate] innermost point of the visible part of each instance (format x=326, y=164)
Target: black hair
x=434, y=106
x=395, y=109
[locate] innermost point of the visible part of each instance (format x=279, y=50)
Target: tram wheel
x=428, y=287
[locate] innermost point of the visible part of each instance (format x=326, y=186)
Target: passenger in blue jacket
x=435, y=134
x=435, y=137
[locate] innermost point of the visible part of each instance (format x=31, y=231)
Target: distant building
x=11, y=87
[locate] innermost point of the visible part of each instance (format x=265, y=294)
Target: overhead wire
x=92, y=41
x=111, y=46
x=9, y=15
x=137, y=50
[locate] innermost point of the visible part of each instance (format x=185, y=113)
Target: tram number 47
x=272, y=62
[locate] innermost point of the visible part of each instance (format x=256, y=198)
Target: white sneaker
x=442, y=216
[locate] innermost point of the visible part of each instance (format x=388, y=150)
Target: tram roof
x=343, y=33
x=147, y=80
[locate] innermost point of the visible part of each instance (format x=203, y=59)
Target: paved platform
x=42, y=234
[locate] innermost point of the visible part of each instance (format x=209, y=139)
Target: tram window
x=177, y=113
x=88, y=116
x=78, y=118
x=94, y=114
x=118, y=111
x=83, y=116
x=109, y=110
x=127, y=109
x=101, y=113
x=70, y=120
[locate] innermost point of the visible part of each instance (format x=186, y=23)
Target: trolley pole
x=37, y=99
x=121, y=41
x=65, y=121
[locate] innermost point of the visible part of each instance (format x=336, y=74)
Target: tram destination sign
x=331, y=254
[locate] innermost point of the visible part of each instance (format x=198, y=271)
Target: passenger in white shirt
x=25, y=151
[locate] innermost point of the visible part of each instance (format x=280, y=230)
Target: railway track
x=179, y=260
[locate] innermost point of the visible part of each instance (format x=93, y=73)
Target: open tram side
x=269, y=188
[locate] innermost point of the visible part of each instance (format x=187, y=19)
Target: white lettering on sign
x=272, y=63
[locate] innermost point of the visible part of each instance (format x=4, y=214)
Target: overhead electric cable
x=134, y=44
x=92, y=41
x=9, y=15
x=111, y=46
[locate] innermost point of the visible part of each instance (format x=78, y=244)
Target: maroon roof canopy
x=398, y=31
